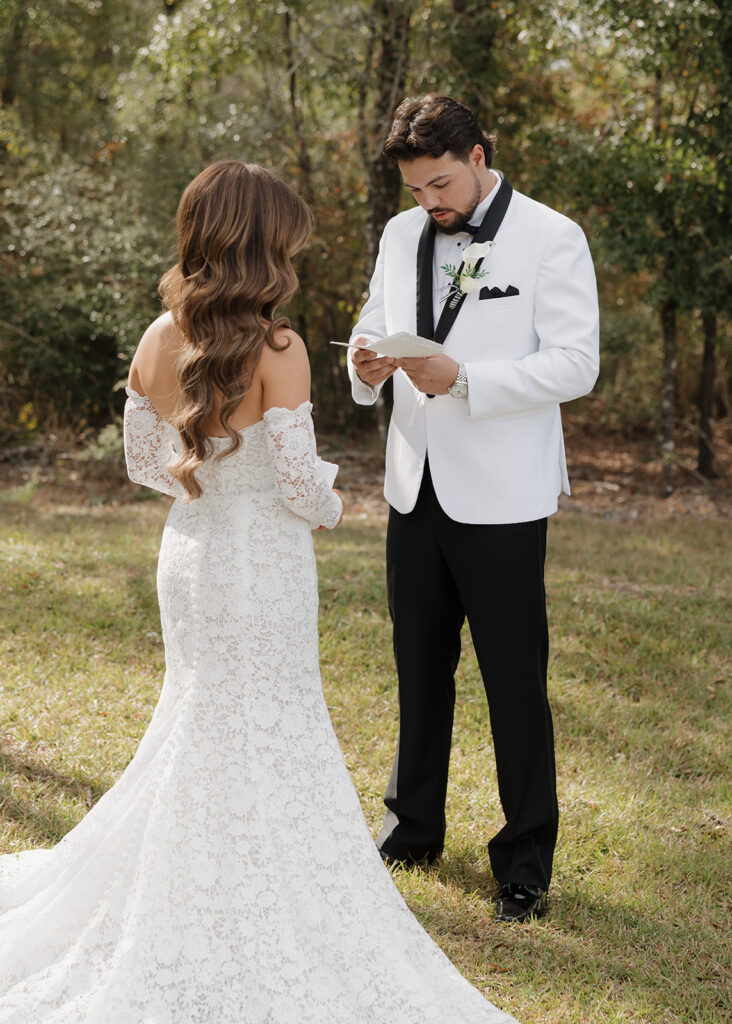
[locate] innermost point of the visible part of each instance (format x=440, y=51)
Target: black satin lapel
x=485, y=233
x=425, y=254
x=495, y=214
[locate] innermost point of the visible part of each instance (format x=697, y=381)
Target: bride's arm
x=151, y=442
x=304, y=481
x=149, y=446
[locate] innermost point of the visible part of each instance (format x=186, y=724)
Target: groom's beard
x=460, y=217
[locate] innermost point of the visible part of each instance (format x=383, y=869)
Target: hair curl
x=238, y=228
x=430, y=125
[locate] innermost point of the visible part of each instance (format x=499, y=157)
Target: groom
x=474, y=465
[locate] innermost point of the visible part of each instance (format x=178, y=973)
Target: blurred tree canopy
x=614, y=112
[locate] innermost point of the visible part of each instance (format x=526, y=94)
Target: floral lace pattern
x=150, y=444
x=289, y=465
x=228, y=877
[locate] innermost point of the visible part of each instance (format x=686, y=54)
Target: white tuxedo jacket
x=499, y=456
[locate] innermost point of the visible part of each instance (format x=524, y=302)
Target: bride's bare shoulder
x=286, y=338
x=162, y=336
x=285, y=370
x=290, y=350
x=153, y=366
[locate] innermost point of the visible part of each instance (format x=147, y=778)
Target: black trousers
x=438, y=572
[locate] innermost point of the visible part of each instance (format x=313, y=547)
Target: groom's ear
x=476, y=157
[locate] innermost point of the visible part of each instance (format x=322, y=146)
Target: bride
x=229, y=876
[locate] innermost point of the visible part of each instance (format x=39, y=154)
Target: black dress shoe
x=408, y=861
x=520, y=902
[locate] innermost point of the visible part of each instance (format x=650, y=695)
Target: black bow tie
x=470, y=229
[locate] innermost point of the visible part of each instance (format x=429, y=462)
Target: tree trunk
x=389, y=41
x=305, y=169
x=387, y=68
x=705, y=463
x=390, y=27
x=304, y=161
x=12, y=58
x=668, y=395
x=340, y=398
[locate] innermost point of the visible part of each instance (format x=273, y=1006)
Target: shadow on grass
x=625, y=959
x=82, y=787
x=463, y=869
x=41, y=827
x=48, y=819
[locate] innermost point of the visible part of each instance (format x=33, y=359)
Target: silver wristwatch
x=459, y=387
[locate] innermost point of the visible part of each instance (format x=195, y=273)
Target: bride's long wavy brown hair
x=238, y=227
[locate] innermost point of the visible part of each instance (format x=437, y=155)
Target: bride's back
x=283, y=376
x=222, y=355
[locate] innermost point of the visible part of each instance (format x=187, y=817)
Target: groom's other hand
x=431, y=374
x=373, y=369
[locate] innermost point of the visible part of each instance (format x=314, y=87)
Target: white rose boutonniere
x=471, y=284
x=468, y=279
x=476, y=251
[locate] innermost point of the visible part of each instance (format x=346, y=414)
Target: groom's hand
x=431, y=374
x=373, y=369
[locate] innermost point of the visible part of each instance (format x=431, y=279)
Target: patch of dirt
x=620, y=478
x=612, y=477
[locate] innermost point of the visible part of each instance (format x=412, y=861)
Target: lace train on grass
x=228, y=877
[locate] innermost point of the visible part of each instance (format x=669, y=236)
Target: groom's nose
x=429, y=200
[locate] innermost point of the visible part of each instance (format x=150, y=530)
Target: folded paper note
x=400, y=346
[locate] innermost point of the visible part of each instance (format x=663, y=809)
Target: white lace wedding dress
x=229, y=876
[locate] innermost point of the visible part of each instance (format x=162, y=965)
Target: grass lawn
x=639, y=922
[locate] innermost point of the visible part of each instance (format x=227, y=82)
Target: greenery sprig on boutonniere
x=468, y=279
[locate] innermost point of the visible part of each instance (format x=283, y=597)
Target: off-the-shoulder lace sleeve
x=149, y=446
x=303, y=480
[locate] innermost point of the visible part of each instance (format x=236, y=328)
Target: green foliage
x=61, y=59
x=644, y=164
x=648, y=161
x=77, y=280
x=616, y=113
x=498, y=58
x=104, y=456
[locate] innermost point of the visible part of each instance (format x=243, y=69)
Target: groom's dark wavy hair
x=430, y=125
